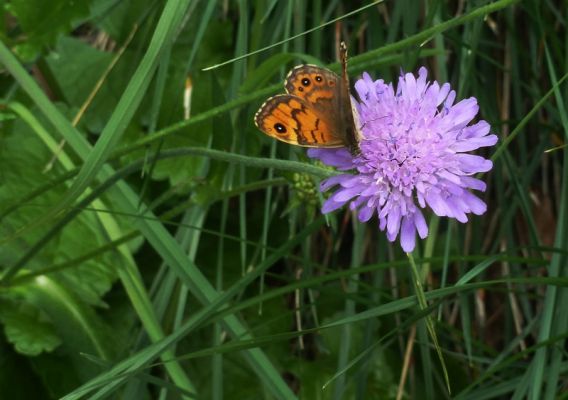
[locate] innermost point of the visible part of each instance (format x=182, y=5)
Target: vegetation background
x=152, y=249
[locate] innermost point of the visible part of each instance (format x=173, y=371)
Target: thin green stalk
x=232, y=60
x=345, y=347
x=429, y=323
x=551, y=322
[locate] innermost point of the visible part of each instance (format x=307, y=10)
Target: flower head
x=412, y=155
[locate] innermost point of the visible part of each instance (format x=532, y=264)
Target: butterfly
x=316, y=111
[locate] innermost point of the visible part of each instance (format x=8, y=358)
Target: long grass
x=152, y=251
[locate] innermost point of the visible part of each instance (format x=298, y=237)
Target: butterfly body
x=316, y=110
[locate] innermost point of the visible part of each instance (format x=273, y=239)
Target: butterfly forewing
x=292, y=120
x=320, y=88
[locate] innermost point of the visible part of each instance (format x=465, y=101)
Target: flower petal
x=334, y=180
x=345, y=194
x=474, y=143
x=473, y=183
x=476, y=130
x=456, y=209
x=382, y=223
x=408, y=235
x=340, y=158
x=331, y=205
x=420, y=224
x=471, y=164
x=449, y=100
x=476, y=205
x=421, y=81
x=463, y=112
x=409, y=86
x=365, y=213
x=437, y=204
x=443, y=93
x=393, y=221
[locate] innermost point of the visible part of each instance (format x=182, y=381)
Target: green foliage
x=148, y=253
x=41, y=23
x=76, y=68
x=26, y=329
x=27, y=157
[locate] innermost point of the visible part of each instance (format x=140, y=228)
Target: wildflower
x=412, y=155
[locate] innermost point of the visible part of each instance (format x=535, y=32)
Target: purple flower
x=412, y=155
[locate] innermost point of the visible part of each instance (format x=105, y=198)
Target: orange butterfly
x=316, y=110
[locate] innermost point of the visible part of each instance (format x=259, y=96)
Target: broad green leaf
x=118, y=20
x=77, y=67
x=29, y=331
x=24, y=158
x=42, y=22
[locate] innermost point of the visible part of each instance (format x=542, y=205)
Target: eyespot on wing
x=292, y=120
x=312, y=83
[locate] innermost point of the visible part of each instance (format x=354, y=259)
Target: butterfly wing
x=317, y=85
x=316, y=111
x=330, y=96
x=349, y=112
x=293, y=120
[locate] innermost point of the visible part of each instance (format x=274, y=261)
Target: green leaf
x=24, y=157
x=42, y=22
x=58, y=315
x=77, y=67
x=118, y=18
x=27, y=329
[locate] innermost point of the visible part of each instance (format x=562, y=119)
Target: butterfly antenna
x=343, y=57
